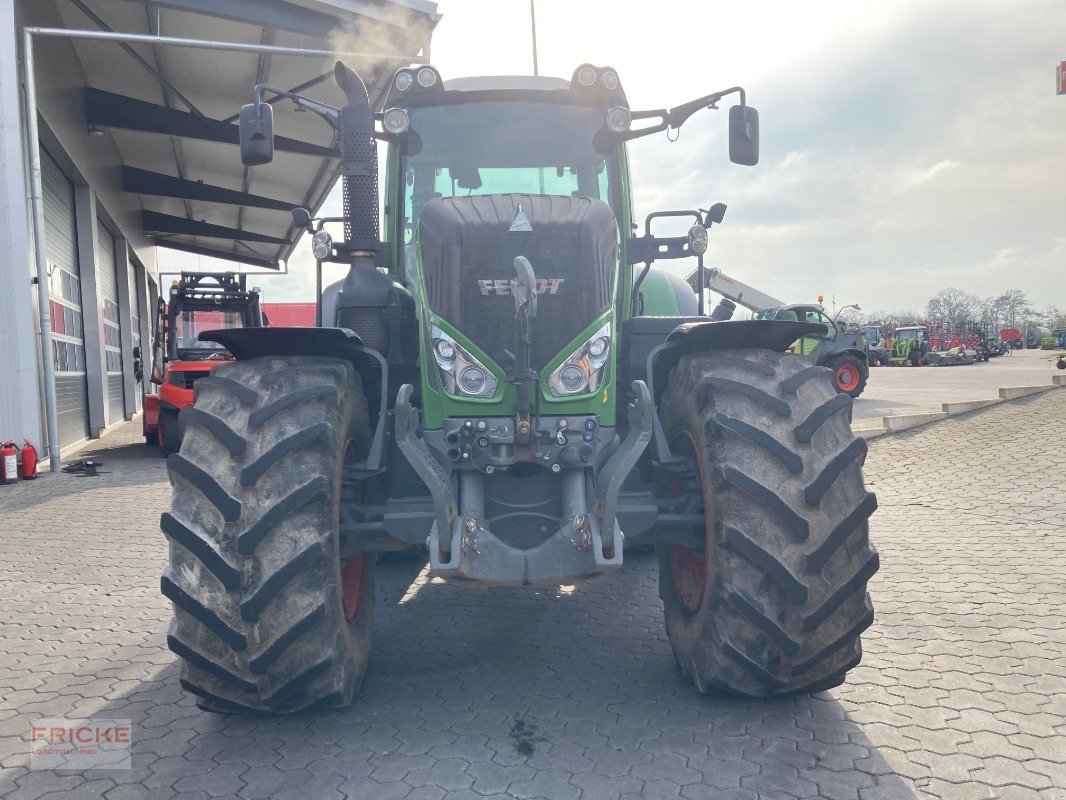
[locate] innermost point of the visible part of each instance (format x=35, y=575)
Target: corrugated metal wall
x=64, y=291
x=136, y=299
x=107, y=280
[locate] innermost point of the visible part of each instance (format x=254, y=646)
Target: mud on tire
x=783, y=599
x=255, y=575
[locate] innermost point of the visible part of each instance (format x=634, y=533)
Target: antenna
x=533, y=26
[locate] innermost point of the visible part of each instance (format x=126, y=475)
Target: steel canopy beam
x=225, y=255
x=109, y=110
x=265, y=13
x=142, y=181
x=288, y=16
x=152, y=222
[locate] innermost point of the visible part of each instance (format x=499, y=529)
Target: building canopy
x=172, y=111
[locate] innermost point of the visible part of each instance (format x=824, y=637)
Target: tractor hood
x=468, y=246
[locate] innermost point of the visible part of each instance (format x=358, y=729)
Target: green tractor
x=910, y=344
x=507, y=382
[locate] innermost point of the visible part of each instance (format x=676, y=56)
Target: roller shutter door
x=135, y=317
x=64, y=294
x=107, y=277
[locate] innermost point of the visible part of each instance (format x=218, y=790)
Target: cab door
x=816, y=346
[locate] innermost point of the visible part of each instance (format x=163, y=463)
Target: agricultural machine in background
x=1012, y=337
x=876, y=344
x=839, y=348
x=1035, y=335
x=509, y=381
x=197, y=302
x=909, y=344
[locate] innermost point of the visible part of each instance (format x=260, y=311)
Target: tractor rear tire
x=775, y=601
x=168, y=432
x=267, y=616
x=849, y=374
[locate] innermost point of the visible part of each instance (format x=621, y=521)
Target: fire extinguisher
x=29, y=461
x=9, y=472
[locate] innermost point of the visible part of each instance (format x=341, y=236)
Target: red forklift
x=198, y=302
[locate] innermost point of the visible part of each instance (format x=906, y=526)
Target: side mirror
x=301, y=218
x=744, y=135
x=257, y=134
x=715, y=214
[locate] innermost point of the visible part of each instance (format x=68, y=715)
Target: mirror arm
x=327, y=112
x=676, y=117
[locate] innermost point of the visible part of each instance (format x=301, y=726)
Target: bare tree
x=1053, y=317
x=1013, y=308
x=953, y=305
x=895, y=317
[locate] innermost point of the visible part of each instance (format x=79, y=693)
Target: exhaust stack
x=359, y=169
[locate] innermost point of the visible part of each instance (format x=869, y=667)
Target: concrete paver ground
x=571, y=692
x=908, y=390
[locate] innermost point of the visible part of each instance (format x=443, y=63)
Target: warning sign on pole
x=1061, y=75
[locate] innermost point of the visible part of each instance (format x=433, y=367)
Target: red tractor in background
x=198, y=302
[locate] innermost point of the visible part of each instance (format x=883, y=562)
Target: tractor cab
x=202, y=302
x=800, y=312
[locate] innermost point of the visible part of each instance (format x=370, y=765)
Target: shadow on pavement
x=569, y=692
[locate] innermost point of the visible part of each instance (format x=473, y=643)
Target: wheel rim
x=688, y=567
x=847, y=377
x=353, y=573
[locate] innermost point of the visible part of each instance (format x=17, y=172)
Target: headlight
x=586, y=76
x=472, y=380
x=403, y=81
x=619, y=119
x=461, y=373
x=582, y=372
x=322, y=245
x=426, y=77
x=445, y=350
x=396, y=121
x=610, y=79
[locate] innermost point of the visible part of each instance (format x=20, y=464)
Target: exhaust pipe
x=359, y=169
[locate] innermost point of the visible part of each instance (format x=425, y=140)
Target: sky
x=906, y=146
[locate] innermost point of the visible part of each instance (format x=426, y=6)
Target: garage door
x=135, y=316
x=107, y=275
x=64, y=293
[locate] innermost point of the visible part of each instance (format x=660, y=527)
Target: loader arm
x=739, y=292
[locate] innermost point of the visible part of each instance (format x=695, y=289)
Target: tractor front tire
x=775, y=601
x=267, y=616
x=849, y=374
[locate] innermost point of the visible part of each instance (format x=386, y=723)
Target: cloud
x=906, y=146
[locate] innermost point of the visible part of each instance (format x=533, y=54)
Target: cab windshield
x=190, y=324
x=504, y=147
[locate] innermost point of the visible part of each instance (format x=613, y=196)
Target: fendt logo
x=503, y=287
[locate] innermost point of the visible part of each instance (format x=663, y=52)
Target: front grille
x=186, y=379
x=468, y=250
